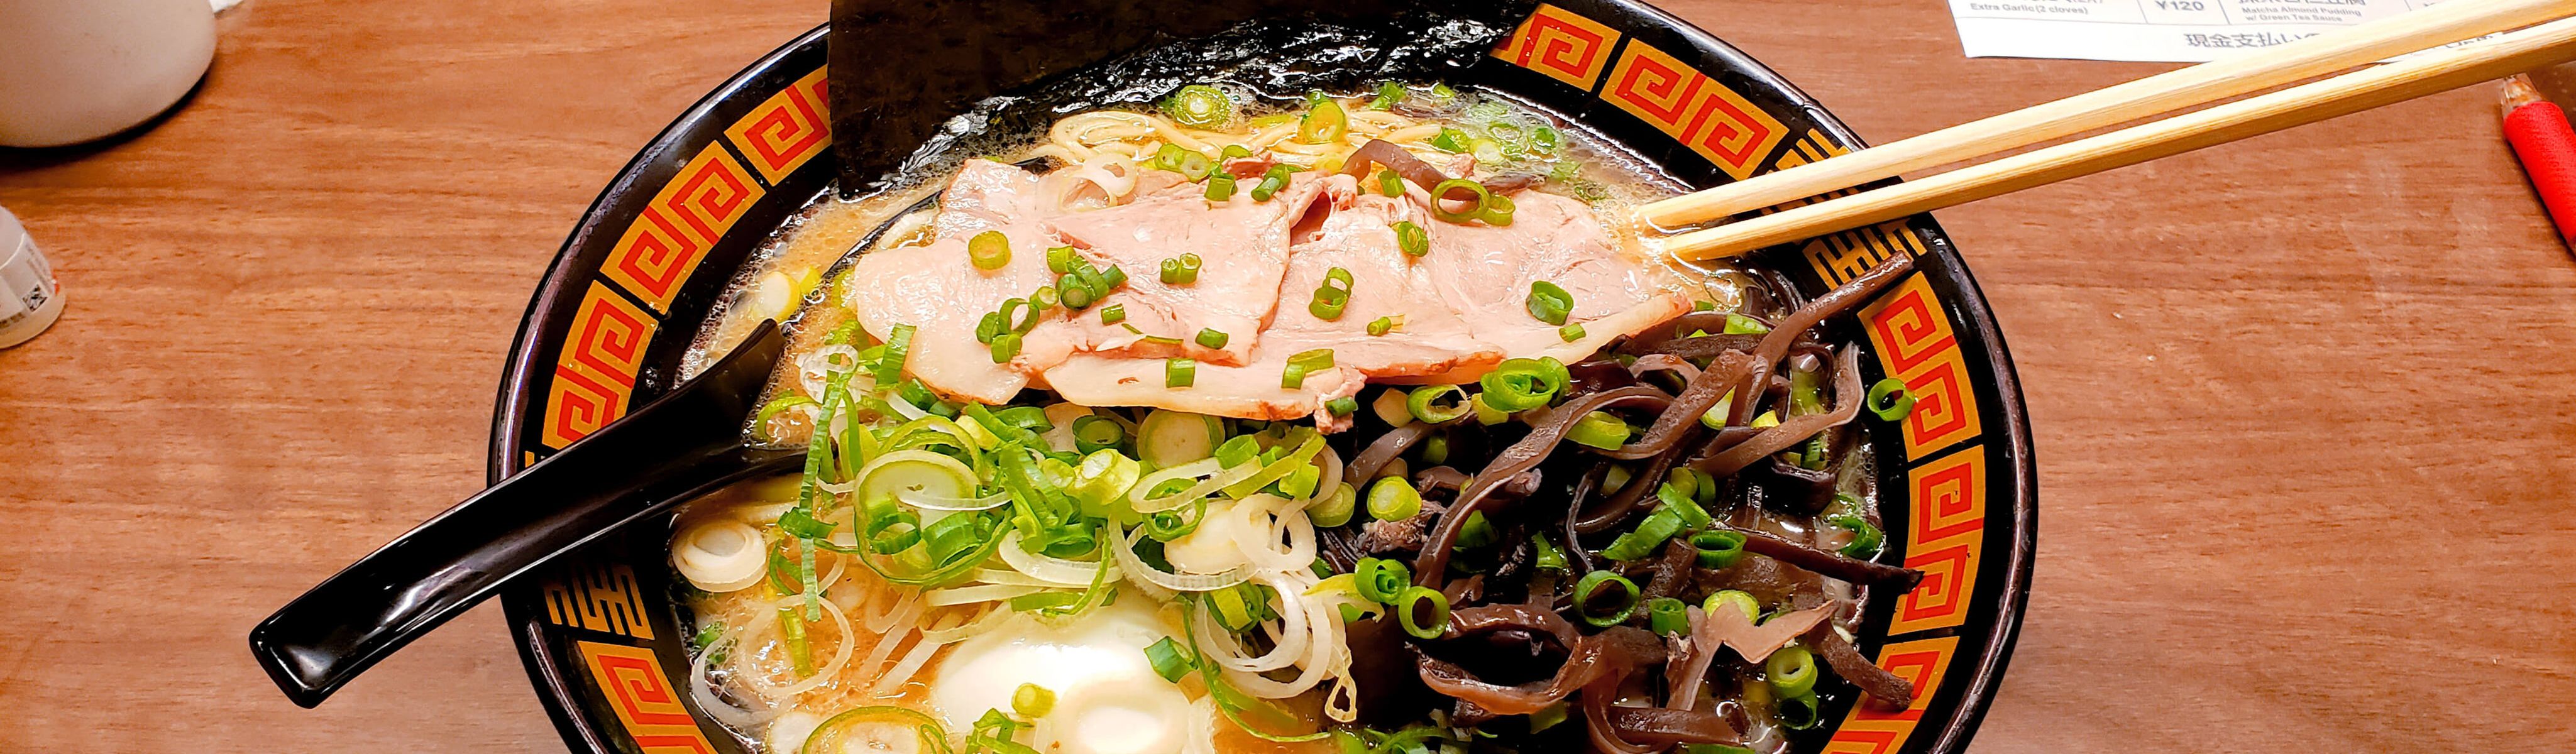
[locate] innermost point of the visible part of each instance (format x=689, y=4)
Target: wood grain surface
x=2305, y=405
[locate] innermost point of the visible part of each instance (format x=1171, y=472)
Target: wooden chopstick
x=2428, y=73
x=2148, y=97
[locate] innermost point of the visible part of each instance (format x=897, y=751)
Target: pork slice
x=934, y=288
x=1251, y=391
x=1431, y=343
x=987, y=195
x=1484, y=273
x=1243, y=248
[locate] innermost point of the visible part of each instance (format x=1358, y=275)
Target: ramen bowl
x=617, y=313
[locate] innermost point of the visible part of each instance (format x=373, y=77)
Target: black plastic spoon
x=671, y=450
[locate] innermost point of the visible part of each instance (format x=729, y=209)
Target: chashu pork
x=1428, y=342
x=1243, y=248
x=1484, y=273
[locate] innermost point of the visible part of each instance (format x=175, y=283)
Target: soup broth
x=1359, y=423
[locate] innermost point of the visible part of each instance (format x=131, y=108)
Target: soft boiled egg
x=1108, y=699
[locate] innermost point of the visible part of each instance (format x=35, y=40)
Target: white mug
x=77, y=70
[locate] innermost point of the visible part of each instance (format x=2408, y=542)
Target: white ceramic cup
x=76, y=70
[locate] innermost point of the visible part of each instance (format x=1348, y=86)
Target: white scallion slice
x=1170, y=438
x=1135, y=568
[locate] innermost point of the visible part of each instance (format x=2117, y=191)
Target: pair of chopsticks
x=2551, y=40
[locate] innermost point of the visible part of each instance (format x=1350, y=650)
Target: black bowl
x=607, y=327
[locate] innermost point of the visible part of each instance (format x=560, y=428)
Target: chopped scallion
x=1181, y=270
x=1381, y=326
x=1412, y=239
x=1549, y=302
x=1113, y=314
x=1571, y=332
x=1212, y=338
x=1890, y=400
x=1603, y=598
x=989, y=250
x=1180, y=372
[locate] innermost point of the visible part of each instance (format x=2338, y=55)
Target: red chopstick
x=2545, y=143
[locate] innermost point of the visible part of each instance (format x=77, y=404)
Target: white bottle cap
x=29, y=301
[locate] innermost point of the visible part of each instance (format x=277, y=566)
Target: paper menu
x=2181, y=31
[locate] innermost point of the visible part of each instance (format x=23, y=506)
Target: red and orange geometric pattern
x=595, y=375
x=1711, y=119
x=643, y=698
x=664, y=244
x=1911, y=334
x=1842, y=256
x=1565, y=46
x=1945, y=539
x=1871, y=729
x=783, y=133
x=598, y=597
x=1809, y=148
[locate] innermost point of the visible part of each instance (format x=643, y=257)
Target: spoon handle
x=633, y=469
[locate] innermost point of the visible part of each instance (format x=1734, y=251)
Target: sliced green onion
x=1791, y=670
x=1299, y=365
x=1680, y=503
x=1450, y=140
x=1797, y=712
x=772, y=409
x=1181, y=270
x=1113, y=314
x=1060, y=259
x=1477, y=532
x=1571, y=332
x=1045, y=298
x=1389, y=183
x=1667, y=616
x=1865, y=536
x=1890, y=400
x=1232, y=151
x=989, y=250
x=1435, y=450
x=1200, y=106
x=1548, y=302
x=1212, y=338
x=1389, y=94
x=1006, y=346
x=1731, y=599
x=1412, y=239
x=1272, y=181
x=1497, y=211
x=1027, y=315
x=1335, y=509
x=1323, y=124
x=1604, y=599
x=1549, y=559
x=1220, y=186
x=992, y=324
x=1075, y=294
x=844, y=334
x=1110, y=277
x=1379, y=579
x=1331, y=295
x=1180, y=371
x=1301, y=482
x=1738, y=324
x=1237, y=451
x=1486, y=414
x=1408, y=609
x=1440, y=200
x=898, y=347
x=1342, y=406
x=1518, y=385
x=1641, y=542
x=1381, y=326
x=1599, y=429
x=1393, y=499
x=1718, y=549
x=1091, y=433
x=1436, y=403
x=1168, y=660
x=1715, y=416
x=1032, y=701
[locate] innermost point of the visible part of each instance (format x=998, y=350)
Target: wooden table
x=2304, y=405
